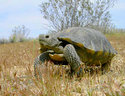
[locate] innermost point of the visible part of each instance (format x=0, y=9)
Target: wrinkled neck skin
x=58, y=49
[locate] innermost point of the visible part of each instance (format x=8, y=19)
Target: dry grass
x=17, y=79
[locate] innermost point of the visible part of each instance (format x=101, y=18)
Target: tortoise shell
x=91, y=45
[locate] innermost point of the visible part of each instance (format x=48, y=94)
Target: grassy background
x=17, y=74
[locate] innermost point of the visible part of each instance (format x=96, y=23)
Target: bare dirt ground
x=17, y=74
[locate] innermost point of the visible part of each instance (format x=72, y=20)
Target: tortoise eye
x=47, y=36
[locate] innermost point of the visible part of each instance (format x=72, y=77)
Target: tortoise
x=78, y=47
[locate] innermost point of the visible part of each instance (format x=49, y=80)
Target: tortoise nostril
x=47, y=36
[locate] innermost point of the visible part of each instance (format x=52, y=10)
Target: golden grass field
x=17, y=74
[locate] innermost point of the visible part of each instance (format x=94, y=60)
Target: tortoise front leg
x=39, y=61
x=73, y=59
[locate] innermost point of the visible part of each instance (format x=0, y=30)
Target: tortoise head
x=49, y=41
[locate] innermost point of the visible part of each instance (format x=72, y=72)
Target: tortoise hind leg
x=73, y=59
x=106, y=67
